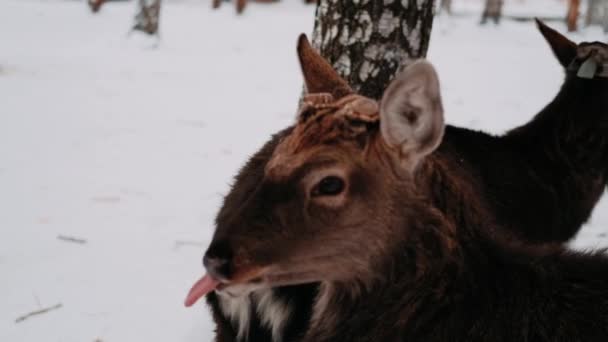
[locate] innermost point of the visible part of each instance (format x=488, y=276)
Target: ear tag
x=588, y=69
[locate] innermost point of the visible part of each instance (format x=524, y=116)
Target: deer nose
x=218, y=261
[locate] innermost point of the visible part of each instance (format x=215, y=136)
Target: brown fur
x=411, y=252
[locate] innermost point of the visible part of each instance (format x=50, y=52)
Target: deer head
x=338, y=191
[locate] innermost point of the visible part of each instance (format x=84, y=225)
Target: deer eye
x=329, y=186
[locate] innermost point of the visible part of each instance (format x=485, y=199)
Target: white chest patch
x=272, y=311
x=238, y=310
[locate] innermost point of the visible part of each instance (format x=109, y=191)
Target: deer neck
x=572, y=130
x=418, y=277
x=426, y=275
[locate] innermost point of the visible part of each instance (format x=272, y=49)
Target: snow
x=131, y=146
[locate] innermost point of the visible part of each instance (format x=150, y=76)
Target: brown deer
x=346, y=200
x=530, y=176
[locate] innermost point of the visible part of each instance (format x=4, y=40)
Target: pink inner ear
x=411, y=114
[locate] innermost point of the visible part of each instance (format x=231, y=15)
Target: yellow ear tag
x=587, y=69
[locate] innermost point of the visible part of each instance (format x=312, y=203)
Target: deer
x=542, y=204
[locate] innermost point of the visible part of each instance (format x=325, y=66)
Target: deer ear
x=563, y=48
x=319, y=76
x=411, y=113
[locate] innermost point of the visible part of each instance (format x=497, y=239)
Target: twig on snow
x=181, y=243
x=38, y=312
x=71, y=239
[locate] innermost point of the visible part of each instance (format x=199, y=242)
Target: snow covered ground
x=131, y=147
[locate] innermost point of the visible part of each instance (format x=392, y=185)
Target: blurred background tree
x=147, y=17
x=597, y=13
x=95, y=5
x=446, y=5
x=492, y=10
x=573, y=14
x=388, y=14
x=240, y=4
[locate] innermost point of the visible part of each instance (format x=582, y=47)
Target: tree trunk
x=573, y=13
x=95, y=5
x=492, y=10
x=605, y=23
x=597, y=13
x=368, y=42
x=148, y=16
x=591, y=16
x=446, y=5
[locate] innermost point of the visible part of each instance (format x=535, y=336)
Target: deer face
x=334, y=192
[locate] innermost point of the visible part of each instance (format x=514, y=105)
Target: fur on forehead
x=322, y=120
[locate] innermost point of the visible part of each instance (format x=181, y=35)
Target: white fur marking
x=237, y=309
x=273, y=311
x=235, y=302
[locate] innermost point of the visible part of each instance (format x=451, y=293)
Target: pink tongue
x=205, y=285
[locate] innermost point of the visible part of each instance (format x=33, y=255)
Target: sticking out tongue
x=205, y=285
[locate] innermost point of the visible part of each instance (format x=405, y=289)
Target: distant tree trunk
x=446, y=5
x=597, y=13
x=605, y=23
x=492, y=10
x=148, y=16
x=591, y=16
x=241, y=4
x=368, y=42
x=95, y=5
x=573, y=13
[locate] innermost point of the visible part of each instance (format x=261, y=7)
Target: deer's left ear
x=563, y=48
x=411, y=113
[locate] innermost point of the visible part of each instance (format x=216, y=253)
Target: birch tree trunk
x=597, y=13
x=369, y=41
x=492, y=10
x=446, y=5
x=148, y=16
x=605, y=20
x=591, y=16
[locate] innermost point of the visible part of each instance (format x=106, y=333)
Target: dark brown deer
x=347, y=200
x=532, y=180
